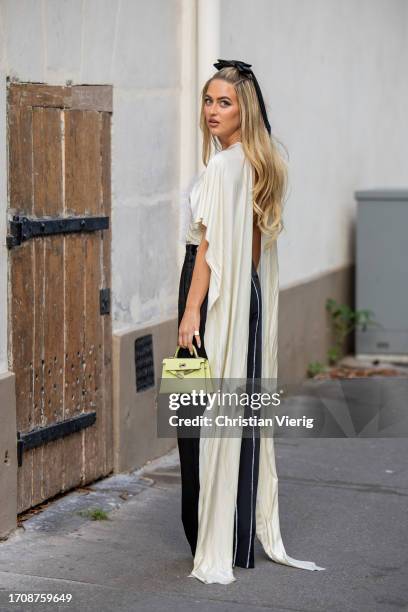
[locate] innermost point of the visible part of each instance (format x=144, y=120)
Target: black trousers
x=189, y=448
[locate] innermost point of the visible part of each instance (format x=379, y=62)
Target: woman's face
x=222, y=112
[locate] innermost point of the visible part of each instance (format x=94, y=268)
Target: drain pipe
x=208, y=27
x=199, y=50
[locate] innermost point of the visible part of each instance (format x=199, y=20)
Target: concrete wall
x=334, y=78
x=8, y=455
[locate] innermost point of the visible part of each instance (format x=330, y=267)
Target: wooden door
x=59, y=159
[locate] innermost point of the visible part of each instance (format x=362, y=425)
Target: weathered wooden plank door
x=59, y=159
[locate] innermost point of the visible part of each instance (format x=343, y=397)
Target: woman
x=228, y=305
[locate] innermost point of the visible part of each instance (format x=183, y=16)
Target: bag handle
x=179, y=347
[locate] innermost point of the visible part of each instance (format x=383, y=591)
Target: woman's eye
x=223, y=102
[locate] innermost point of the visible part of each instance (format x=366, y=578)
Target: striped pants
x=189, y=449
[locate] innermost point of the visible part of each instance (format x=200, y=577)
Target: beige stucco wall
x=8, y=455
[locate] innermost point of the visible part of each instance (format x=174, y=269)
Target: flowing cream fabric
x=221, y=200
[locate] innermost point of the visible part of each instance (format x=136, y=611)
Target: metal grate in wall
x=144, y=363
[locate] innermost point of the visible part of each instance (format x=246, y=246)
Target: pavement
x=343, y=504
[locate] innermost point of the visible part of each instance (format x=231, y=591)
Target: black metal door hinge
x=42, y=435
x=23, y=228
x=104, y=301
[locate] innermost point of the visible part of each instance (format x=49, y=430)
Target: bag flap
x=174, y=363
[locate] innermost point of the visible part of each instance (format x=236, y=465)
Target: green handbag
x=183, y=375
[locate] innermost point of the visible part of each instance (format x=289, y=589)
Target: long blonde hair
x=270, y=173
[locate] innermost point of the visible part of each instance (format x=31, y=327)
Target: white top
x=221, y=200
x=185, y=219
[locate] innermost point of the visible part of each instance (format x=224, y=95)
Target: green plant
x=96, y=514
x=344, y=320
x=315, y=367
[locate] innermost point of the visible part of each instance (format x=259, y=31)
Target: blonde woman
x=228, y=309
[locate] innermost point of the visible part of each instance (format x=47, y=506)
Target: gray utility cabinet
x=382, y=272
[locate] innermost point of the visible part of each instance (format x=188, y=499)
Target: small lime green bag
x=183, y=375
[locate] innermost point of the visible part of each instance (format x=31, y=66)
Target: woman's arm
x=198, y=288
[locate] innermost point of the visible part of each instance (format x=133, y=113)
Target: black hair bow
x=245, y=69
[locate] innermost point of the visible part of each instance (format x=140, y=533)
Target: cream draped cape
x=221, y=200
